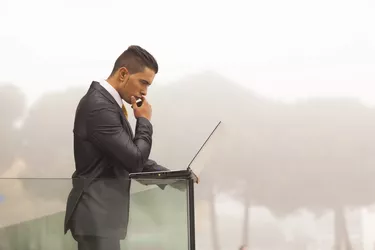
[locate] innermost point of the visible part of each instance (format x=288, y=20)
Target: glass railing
x=32, y=213
x=32, y=217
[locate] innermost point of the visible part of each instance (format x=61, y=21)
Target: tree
x=316, y=155
x=196, y=103
x=12, y=108
x=48, y=144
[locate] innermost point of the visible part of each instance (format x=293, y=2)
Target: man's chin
x=127, y=101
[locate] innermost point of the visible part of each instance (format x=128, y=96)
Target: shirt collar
x=112, y=91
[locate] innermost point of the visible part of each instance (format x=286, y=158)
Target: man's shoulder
x=92, y=102
x=94, y=98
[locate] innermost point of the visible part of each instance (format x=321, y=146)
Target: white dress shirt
x=112, y=91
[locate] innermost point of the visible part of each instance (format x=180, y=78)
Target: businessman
x=106, y=151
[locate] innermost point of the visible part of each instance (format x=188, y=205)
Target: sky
x=286, y=50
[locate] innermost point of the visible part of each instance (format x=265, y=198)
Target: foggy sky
x=281, y=49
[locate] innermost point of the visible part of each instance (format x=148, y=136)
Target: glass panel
x=32, y=215
x=158, y=217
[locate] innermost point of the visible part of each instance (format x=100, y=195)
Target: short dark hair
x=135, y=59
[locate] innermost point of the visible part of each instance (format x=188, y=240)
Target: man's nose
x=144, y=92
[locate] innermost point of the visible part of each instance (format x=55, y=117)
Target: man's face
x=135, y=84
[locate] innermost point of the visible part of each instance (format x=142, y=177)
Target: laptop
x=190, y=171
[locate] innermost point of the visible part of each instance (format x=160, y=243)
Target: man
x=106, y=151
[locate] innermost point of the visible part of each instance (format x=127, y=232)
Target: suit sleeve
x=106, y=131
x=152, y=166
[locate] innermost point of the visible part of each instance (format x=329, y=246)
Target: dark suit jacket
x=105, y=152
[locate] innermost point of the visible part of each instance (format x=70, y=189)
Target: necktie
x=124, y=111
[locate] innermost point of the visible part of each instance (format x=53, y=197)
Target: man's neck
x=112, y=83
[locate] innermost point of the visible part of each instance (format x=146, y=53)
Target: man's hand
x=144, y=110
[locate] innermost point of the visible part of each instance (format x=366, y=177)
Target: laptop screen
x=208, y=150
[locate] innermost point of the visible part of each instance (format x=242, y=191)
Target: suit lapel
x=125, y=121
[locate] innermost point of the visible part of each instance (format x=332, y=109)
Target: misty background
x=291, y=81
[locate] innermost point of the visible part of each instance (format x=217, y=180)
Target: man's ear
x=123, y=73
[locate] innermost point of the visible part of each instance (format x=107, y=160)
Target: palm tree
x=316, y=155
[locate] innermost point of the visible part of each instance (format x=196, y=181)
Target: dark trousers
x=97, y=243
